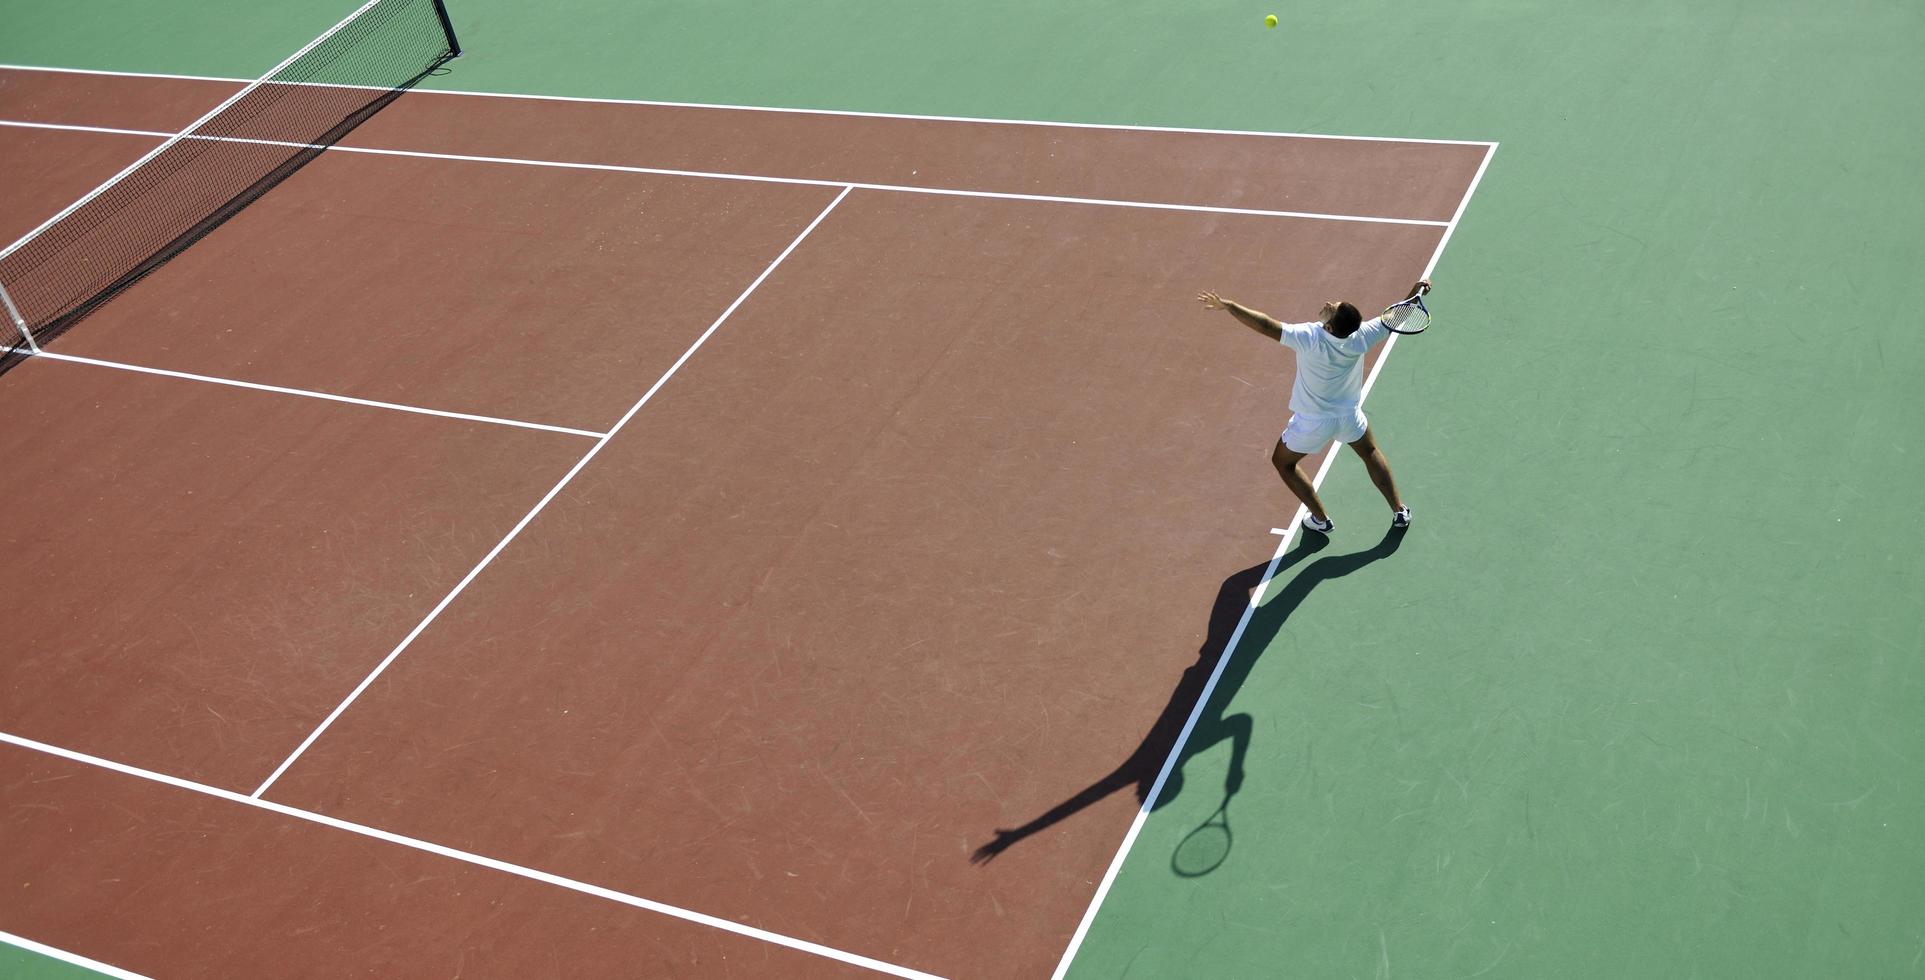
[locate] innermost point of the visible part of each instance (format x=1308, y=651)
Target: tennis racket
x=1202, y=850
x=1409, y=316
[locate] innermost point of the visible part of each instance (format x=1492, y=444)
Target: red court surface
x=524, y=293
x=908, y=544
x=210, y=565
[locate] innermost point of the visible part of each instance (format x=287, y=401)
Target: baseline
x=1256, y=599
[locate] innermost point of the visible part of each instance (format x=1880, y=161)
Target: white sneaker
x=1321, y=527
x=1400, y=518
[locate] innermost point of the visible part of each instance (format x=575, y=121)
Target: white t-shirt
x=1330, y=372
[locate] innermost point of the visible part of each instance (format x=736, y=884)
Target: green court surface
x=17, y=963
x=1641, y=694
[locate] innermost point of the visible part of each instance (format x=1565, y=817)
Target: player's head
x=1341, y=319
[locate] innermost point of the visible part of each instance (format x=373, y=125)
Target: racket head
x=1408, y=317
x=1204, y=849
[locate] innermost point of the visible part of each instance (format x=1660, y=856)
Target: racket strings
x=1406, y=317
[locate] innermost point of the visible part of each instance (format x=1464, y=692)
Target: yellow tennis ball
x=1270, y=21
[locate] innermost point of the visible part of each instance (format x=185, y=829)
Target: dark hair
x=1346, y=321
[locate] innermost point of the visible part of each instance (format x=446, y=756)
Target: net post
x=447, y=27
x=19, y=322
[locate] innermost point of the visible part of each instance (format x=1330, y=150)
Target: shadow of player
x=1212, y=728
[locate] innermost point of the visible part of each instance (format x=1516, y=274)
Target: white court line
x=76, y=959
x=755, y=178
x=1256, y=599
x=1135, y=829
x=516, y=531
x=1438, y=253
x=467, y=857
x=802, y=112
x=324, y=396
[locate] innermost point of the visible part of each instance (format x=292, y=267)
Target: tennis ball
x=1270, y=21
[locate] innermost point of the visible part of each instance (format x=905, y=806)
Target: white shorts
x=1310, y=433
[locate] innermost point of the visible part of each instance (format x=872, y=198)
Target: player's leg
x=1379, y=470
x=1285, y=460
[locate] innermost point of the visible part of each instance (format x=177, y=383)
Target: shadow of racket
x=1204, y=849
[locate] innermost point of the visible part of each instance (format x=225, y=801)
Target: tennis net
x=185, y=187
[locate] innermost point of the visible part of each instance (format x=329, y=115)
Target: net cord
x=183, y=134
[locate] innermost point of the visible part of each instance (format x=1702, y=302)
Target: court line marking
x=1082, y=930
x=1256, y=600
x=54, y=952
x=756, y=178
x=468, y=857
x=1118, y=127
x=543, y=503
x=304, y=393
x=256, y=800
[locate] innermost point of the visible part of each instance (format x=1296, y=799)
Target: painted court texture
x=946, y=527
x=908, y=548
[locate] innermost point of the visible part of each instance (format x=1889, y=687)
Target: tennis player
x=1326, y=401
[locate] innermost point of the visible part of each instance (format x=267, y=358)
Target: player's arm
x=1421, y=287
x=1255, y=320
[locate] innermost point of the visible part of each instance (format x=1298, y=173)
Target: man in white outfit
x=1327, y=400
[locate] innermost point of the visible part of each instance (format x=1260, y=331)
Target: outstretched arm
x=1255, y=320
